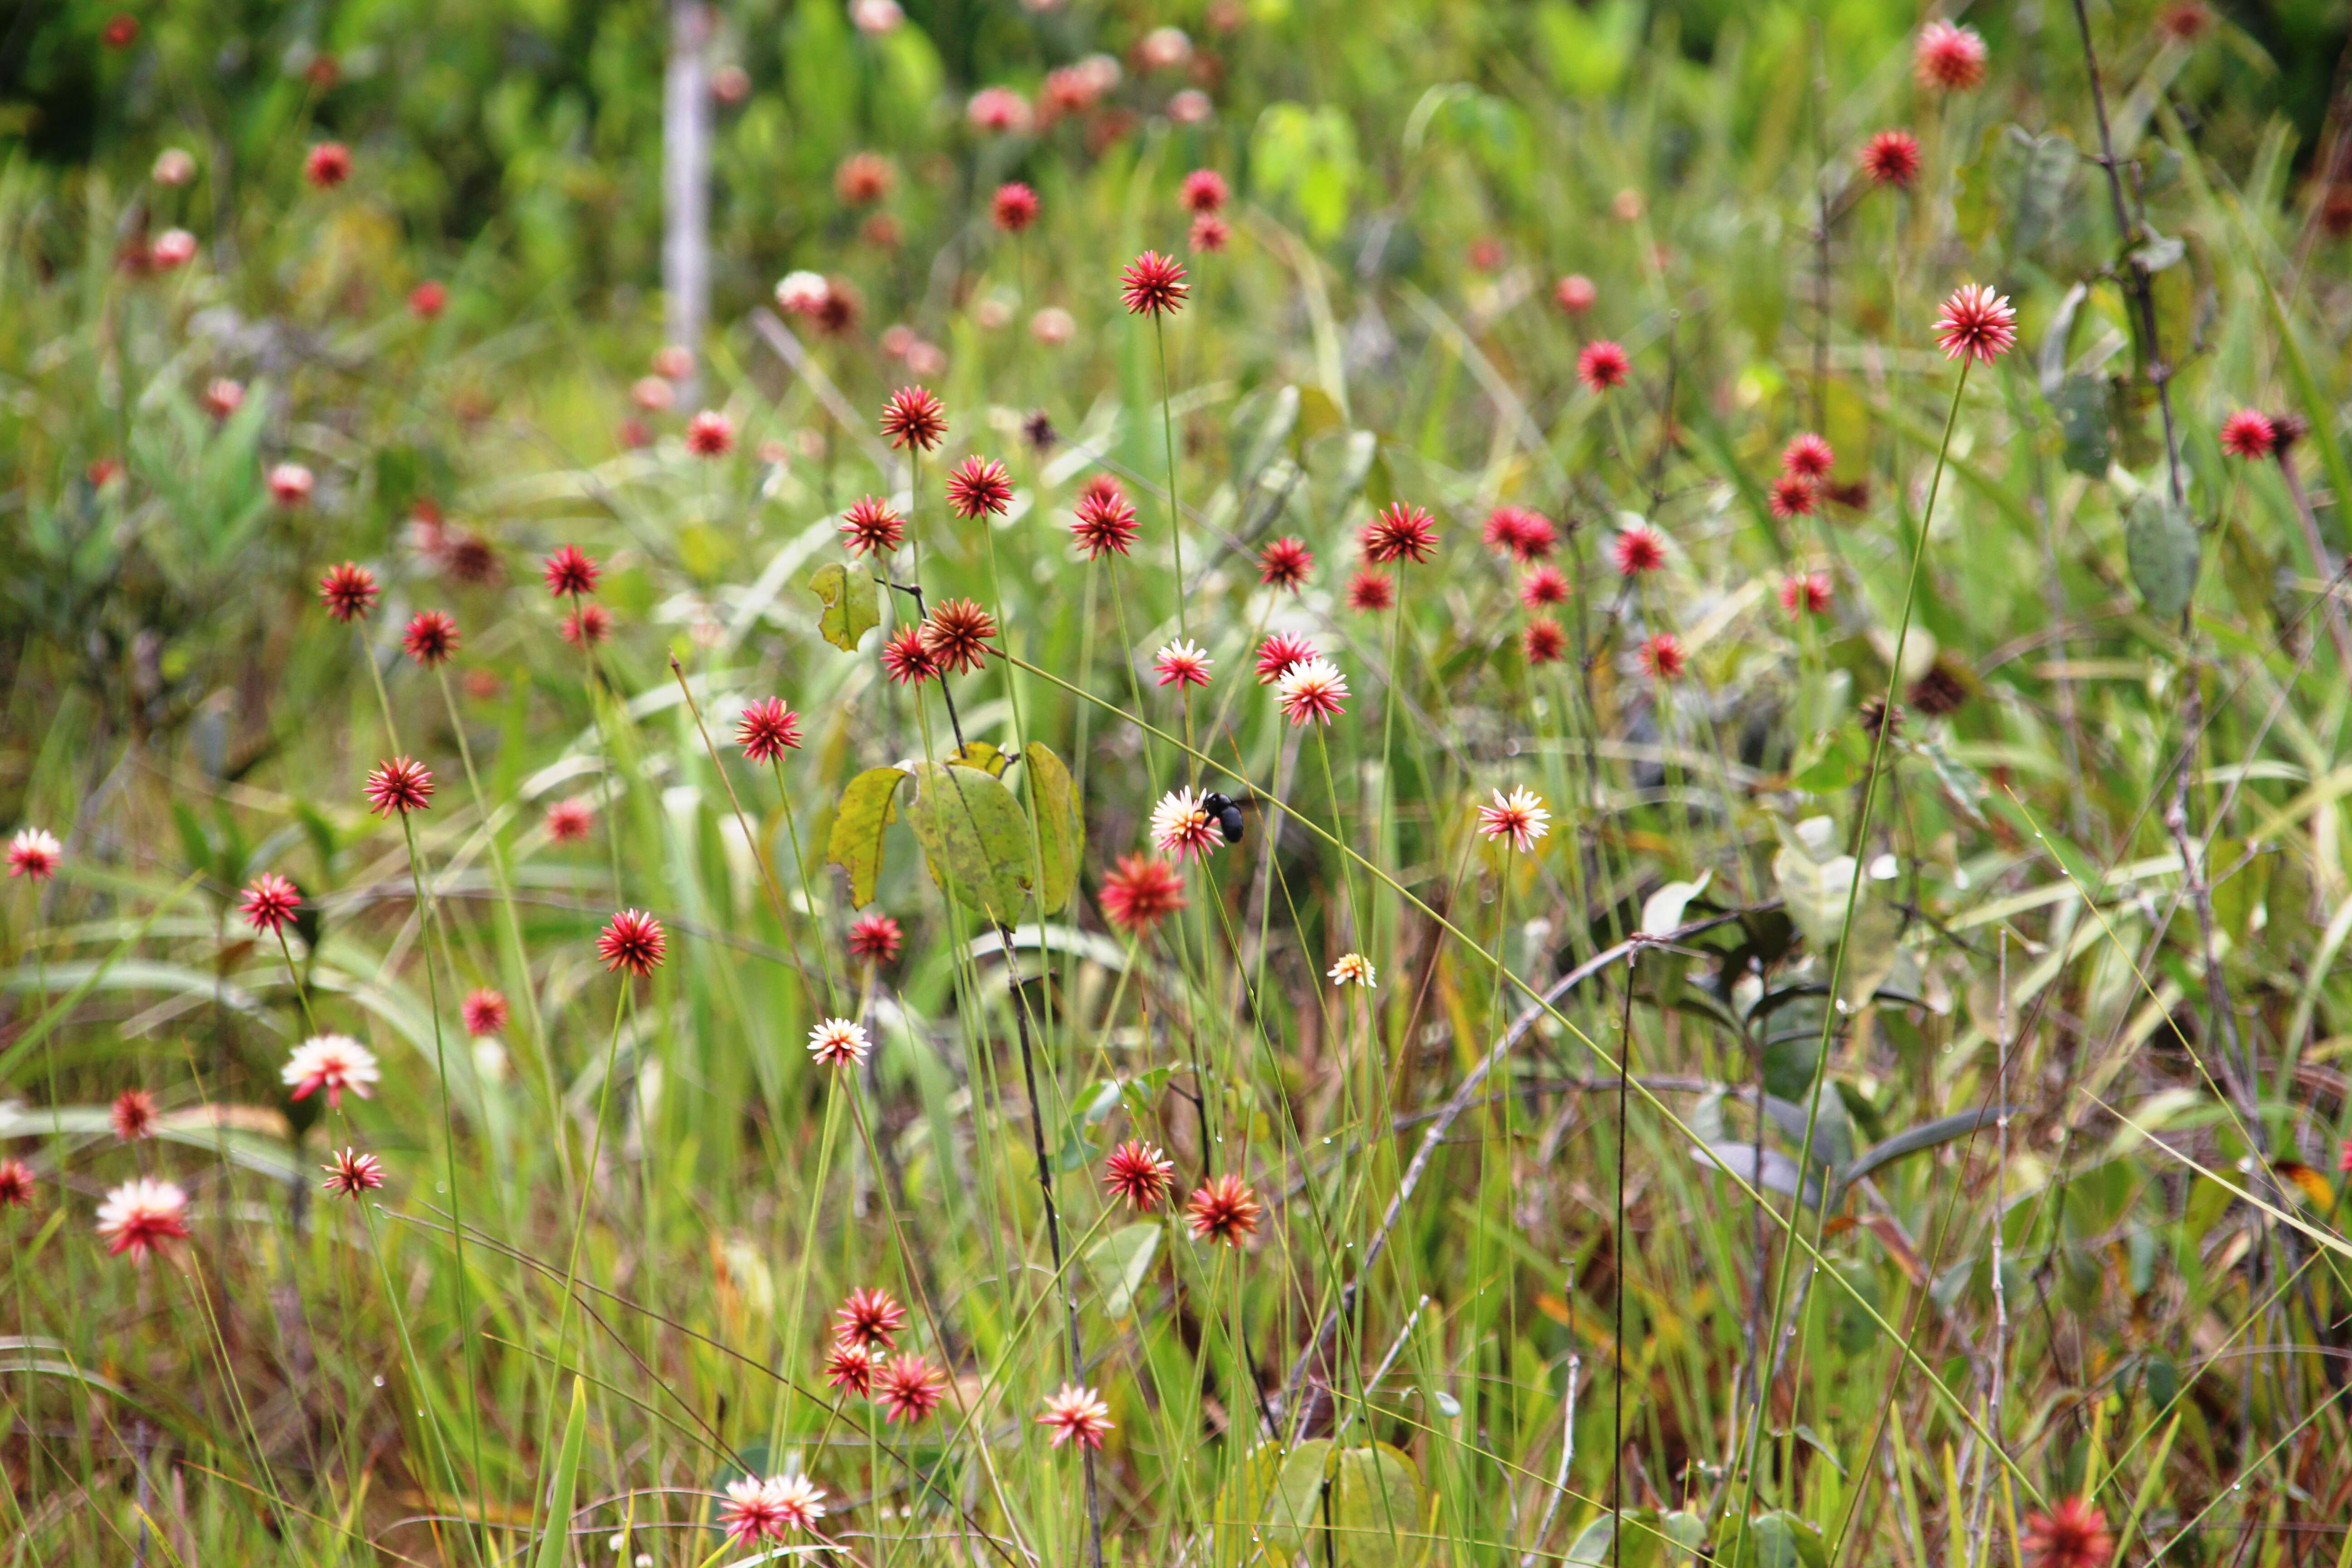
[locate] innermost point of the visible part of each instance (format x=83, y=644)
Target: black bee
x=1228, y=813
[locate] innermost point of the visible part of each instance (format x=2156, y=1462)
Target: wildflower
x=1312, y=690
x=1639, y=549
x=876, y=18
x=1661, y=656
x=1140, y=892
x=872, y=527
x=709, y=433
x=1181, y=664
x=174, y=248
x=634, y=941
x=1528, y=535
x=1807, y=455
x=1225, y=1210
x=998, y=109
x=2186, y=21
x=570, y=573
x=327, y=165
x=174, y=166
x=850, y=1367
x=1372, y=592
x=1400, y=532
x=2249, y=434
x=837, y=1042
x=568, y=821
x=401, y=785
x=331, y=1062
x=1805, y=593
x=1015, y=207
x=291, y=484
x=1164, y=49
x=1279, y=653
x=1190, y=107
x=2344, y=1156
x=906, y=661
x=2071, y=1536
x=1076, y=1412
x=1205, y=191
x=1977, y=323
x=1053, y=326
x=587, y=626
x=352, y=1173
x=469, y=558
x=142, y=1215
x=269, y=903
x=1286, y=564
x=864, y=178
x=132, y=1115
x=1355, y=969
x=1153, y=285
x=1105, y=519
x=427, y=300
x=1892, y=158
x=1543, y=641
x=347, y=591
x=1949, y=58
x=15, y=1183
x=801, y=293
x=1182, y=825
x=431, y=637
x=1602, y=365
x=769, y=1508
x=1792, y=495
x=767, y=729
x=875, y=938
x=910, y=1389
x=1575, y=293
x=223, y=396
x=957, y=633
x=979, y=487
x=1209, y=234
x=914, y=417
x=1519, y=816
x=1139, y=1173
x=34, y=853
x=1544, y=586
x=870, y=1317
x=485, y=1011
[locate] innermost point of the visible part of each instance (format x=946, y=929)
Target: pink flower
x=224, y=397
x=1575, y=293
x=1286, y=564
x=1792, y=495
x=15, y=1183
x=1892, y=158
x=431, y=637
x=1661, y=656
x=910, y=1389
x=1015, y=207
x=767, y=729
x=1807, y=454
x=401, y=785
x=1948, y=57
x=174, y=248
x=956, y=635
x=871, y=527
x=2249, y=434
x=1076, y=1412
x=485, y=1011
x=1519, y=816
x=1515, y=531
x=568, y=821
x=980, y=487
x=1105, y=519
x=35, y=854
x=870, y=1317
x=709, y=433
x=587, y=626
x=850, y=1368
x=1139, y=1173
x=1805, y=593
x=1140, y=892
x=1183, y=827
x=2071, y=1536
x=1371, y=592
x=354, y=1174
x=142, y=1216
x=1312, y=691
x=838, y=1043
x=1603, y=364
x=1976, y=323
x=132, y=1115
x=1542, y=641
x=291, y=484
x=331, y=1062
x=1279, y=653
x=1545, y=587
x=269, y=903
x=427, y=300
x=906, y=659
x=1224, y=1210
x=769, y=1508
x=1401, y=532
x=875, y=938
x=1181, y=664
x=1153, y=285
x=998, y=109
x=570, y=573
x=634, y=941
x=347, y=591
x=327, y=165
x=913, y=417
x=1639, y=549
x=1209, y=234
x=1205, y=191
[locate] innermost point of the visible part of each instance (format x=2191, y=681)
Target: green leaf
x=853, y=605
x=554, y=1546
x=1845, y=756
x=1910, y=1141
x=983, y=755
x=1778, y=1540
x=1375, y=1509
x=854, y=844
x=2160, y=544
x=1119, y=1263
x=2081, y=404
x=974, y=836
x=1061, y=830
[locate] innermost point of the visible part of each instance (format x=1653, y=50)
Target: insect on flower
x=634, y=941
x=354, y=1174
x=1225, y=1210
x=143, y=1217
x=331, y=1062
x=838, y=1042
x=1976, y=323
x=1139, y=1173
x=1076, y=1412
x=870, y=1317
x=1183, y=826
x=401, y=785
x=1519, y=816
x=1140, y=892
x=1181, y=664
x=1153, y=285
x=872, y=527
x=35, y=854
x=980, y=487
x=767, y=729
x=1312, y=691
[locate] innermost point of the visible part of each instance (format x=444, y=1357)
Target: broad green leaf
x=974, y=836
x=2160, y=544
x=854, y=844
x=1778, y=1540
x=1295, y=1506
x=1927, y=1135
x=1119, y=1263
x=1061, y=829
x=1377, y=1518
x=1595, y=1545
x=853, y=605
x=2082, y=404
x=983, y=755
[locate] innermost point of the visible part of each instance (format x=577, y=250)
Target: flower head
x=1153, y=285
x=1639, y=549
x=1542, y=641
x=223, y=396
x=1209, y=234
x=1205, y=191
x=1286, y=564
x=1603, y=364
x=980, y=487
x=1807, y=455
x=1183, y=826
x=634, y=941
x=331, y=1062
x=864, y=178
x=872, y=527
x=327, y=165
x=998, y=109
x=1575, y=293
x=431, y=637
x=838, y=1042
x=132, y=1115
x=711, y=434
x=1544, y=586
x=870, y=1317
x=1355, y=969
x=1312, y=690
x=909, y=1388
x=957, y=633
x=1015, y=207
x=352, y=1173
x=174, y=248
x=1138, y=1173
x=1948, y=57
x=587, y=626
x=347, y=591
x=875, y=938
x=769, y=1508
x=1224, y=1209
x=143, y=1216
x=568, y=821
x=906, y=661
x=2073, y=1535
x=801, y=293
x=1661, y=656
x=1076, y=1412
x=291, y=484
x=35, y=854
x=1181, y=664
x=1519, y=816
x=1805, y=593
x=914, y=417
x=570, y=573
x=269, y=903
x=15, y=1183
x=401, y=785
x=1371, y=592
x=1892, y=158
x=1793, y=495
x=1525, y=534
x=428, y=300
x=2249, y=434
x=1105, y=519
x=767, y=729
x=1140, y=892
x=485, y=1011
x=850, y=1367
x=1400, y=532
x=1279, y=653
x=1976, y=323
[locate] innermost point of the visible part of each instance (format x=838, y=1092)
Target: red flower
x=1640, y=548
x=914, y=417
x=1153, y=285
x=871, y=527
x=850, y=1368
x=1224, y=1210
x=431, y=637
x=1015, y=207
x=1545, y=585
x=957, y=635
x=35, y=853
x=1805, y=593
x=1205, y=191
x=1105, y=519
x=328, y=165
x=1575, y=293
x=427, y=300
x=909, y=1388
x=2071, y=1536
x=143, y=1216
x=1401, y=532
x=1949, y=58
x=354, y=1174
x=1139, y=1173
x=587, y=626
x=269, y=903
x=1977, y=323
x=1279, y=653
x=633, y=940
x=1792, y=496
x=2249, y=434
x=485, y=1011
x=15, y=1183
x=1140, y=892
x=1372, y=592
x=401, y=785
x=1892, y=158
x=767, y=729
x=1286, y=564
x=133, y=1115
x=1807, y=455
x=875, y=938
x=908, y=662
x=1076, y=1412
x=709, y=433
x=1602, y=365
x=2186, y=21
x=1661, y=656
x=1543, y=642
x=870, y=1317
x=1211, y=234
x=347, y=591
x=122, y=31
x=864, y=178
x=568, y=821
x=1528, y=535
x=980, y=486
x=570, y=572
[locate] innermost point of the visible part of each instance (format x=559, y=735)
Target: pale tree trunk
x=685, y=185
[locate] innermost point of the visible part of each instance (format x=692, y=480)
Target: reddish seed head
x=15, y=1183
x=1543, y=642
x=354, y=1174
x=1140, y=892
x=328, y=165
x=568, y=821
x=1807, y=455
x=1015, y=207
x=957, y=635
x=633, y=940
x=1224, y=1210
x=875, y=939
x=1286, y=564
x=850, y=1368
x=910, y=1389
x=2249, y=434
x=34, y=854
x=980, y=487
x=485, y=1011
x=143, y=1216
x=906, y=661
x=1279, y=653
x=1805, y=593
x=1372, y=592
x=1138, y=1173
x=870, y=1317
x=1575, y=293
x=133, y=1115
x=1639, y=549
x=768, y=729
x=914, y=417
x=1401, y=532
x=2071, y=1536
x=401, y=785
x=431, y=637
x=1205, y=191
x=269, y=903
x=587, y=626
x=709, y=433
x=427, y=300
x=1792, y=495
x=1210, y=234
x=1976, y=323
x=1153, y=285
x=1105, y=519
x=570, y=572
x=1661, y=656
x=1076, y=1412
x=870, y=527
x=1949, y=58
x=1892, y=158
x=1602, y=365
x=1543, y=586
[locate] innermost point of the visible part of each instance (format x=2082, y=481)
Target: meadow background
x=1897, y=1114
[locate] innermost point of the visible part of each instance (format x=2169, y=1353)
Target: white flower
x=1182, y=825
x=1312, y=688
x=803, y=293
x=1355, y=969
x=838, y=1042
x=331, y=1062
